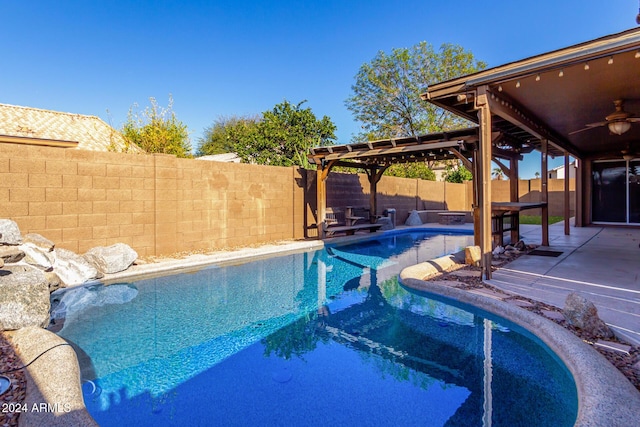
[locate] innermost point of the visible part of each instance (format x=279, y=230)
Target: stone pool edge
x=605, y=396
x=53, y=395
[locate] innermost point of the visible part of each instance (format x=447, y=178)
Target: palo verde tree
x=386, y=94
x=157, y=130
x=280, y=137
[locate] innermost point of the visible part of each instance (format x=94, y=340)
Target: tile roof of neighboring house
x=35, y=126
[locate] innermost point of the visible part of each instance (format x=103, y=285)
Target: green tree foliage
x=225, y=132
x=497, y=173
x=281, y=137
x=411, y=170
x=157, y=130
x=457, y=174
x=386, y=95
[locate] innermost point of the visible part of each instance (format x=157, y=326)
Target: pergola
x=555, y=103
x=375, y=157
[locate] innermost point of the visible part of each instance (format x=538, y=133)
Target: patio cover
x=540, y=102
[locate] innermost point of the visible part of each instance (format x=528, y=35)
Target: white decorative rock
x=9, y=232
x=37, y=256
x=73, y=269
x=111, y=259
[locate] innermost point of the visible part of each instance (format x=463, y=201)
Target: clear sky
x=239, y=57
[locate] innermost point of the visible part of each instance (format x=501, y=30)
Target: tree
x=386, y=95
x=411, y=170
x=537, y=175
x=498, y=174
x=281, y=137
x=157, y=130
x=457, y=174
x=225, y=132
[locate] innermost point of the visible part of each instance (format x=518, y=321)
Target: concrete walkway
x=600, y=263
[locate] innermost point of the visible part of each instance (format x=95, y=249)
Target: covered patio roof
x=552, y=95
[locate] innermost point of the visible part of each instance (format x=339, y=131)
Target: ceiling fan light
x=619, y=127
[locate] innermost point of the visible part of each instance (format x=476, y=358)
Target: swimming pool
x=322, y=336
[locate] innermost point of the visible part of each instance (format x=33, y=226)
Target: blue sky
x=223, y=58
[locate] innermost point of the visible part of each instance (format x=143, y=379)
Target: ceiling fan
x=618, y=122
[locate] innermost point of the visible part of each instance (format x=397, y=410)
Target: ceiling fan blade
x=633, y=119
x=597, y=124
x=589, y=126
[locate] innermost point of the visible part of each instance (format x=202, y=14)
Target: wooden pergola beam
x=467, y=164
x=360, y=153
x=483, y=108
x=518, y=115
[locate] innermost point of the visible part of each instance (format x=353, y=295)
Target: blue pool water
x=327, y=336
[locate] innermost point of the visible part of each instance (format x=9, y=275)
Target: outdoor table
x=511, y=210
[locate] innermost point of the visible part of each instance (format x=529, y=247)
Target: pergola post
x=476, y=197
x=374, y=174
x=484, y=166
x=567, y=206
x=321, y=200
x=322, y=172
x=514, y=196
x=544, y=194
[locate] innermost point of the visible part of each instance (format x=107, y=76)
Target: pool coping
x=605, y=395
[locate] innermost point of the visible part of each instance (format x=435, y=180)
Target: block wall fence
x=159, y=204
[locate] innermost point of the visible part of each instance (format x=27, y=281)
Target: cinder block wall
x=159, y=204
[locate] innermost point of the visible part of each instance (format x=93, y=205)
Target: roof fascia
x=38, y=141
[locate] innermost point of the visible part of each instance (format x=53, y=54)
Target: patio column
x=476, y=196
x=567, y=206
x=484, y=178
x=579, y=200
x=544, y=194
x=514, y=196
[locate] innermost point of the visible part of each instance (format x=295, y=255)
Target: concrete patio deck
x=600, y=263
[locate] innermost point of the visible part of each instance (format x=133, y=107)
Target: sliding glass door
x=616, y=192
x=634, y=192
